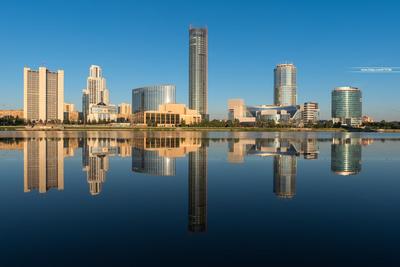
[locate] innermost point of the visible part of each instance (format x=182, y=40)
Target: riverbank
x=215, y=129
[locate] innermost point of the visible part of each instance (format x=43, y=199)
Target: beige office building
x=237, y=110
x=43, y=95
x=124, y=111
x=70, y=114
x=168, y=115
x=43, y=164
x=309, y=112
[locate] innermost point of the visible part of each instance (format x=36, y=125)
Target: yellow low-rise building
x=167, y=115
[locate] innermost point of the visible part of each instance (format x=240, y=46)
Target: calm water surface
x=199, y=199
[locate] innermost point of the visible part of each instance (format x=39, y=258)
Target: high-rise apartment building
x=97, y=87
x=285, y=85
x=43, y=95
x=347, y=106
x=198, y=70
x=95, y=98
x=310, y=112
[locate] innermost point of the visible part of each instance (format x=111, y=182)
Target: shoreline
x=216, y=129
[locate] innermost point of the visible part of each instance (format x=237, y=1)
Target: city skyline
x=323, y=60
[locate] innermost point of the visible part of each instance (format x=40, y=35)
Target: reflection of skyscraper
x=346, y=155
x=96, y=174
x=285, y=169
x=95, y=160
x=43, y=165
x=198, y=190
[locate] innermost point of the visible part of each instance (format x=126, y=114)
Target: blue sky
x=146, y=42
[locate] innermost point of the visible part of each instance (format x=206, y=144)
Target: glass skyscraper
x=285, y=85
x=150, y=97
x=198, y=70
x=347, y=106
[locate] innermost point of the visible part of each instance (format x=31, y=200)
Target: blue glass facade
x=149, y=98
x=347, y=106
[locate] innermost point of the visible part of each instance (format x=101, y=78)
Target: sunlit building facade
x=168, y=115
x=310, y=112
x=96, y=92
x=43, y=95
x=237, y=110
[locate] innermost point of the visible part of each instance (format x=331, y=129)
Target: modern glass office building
x=198, y=70
x=285, y=85
x=150, y=97
x=347, y=106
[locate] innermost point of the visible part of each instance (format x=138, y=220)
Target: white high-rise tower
x=96, y=91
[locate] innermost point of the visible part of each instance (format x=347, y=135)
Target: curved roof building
x=150, y=97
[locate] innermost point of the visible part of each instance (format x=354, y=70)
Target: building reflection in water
x=149, y=156
x=198, y=161
x=284, y=148
x=43, y=164
x=346, y=154
x=285, y=170
x=95, y=161
x=157, y=156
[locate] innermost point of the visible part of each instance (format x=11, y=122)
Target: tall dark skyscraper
x=198, y=70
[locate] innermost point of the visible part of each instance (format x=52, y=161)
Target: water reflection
x=95, y=161
x=275, y=186
x=198, y=161
x=284, y=148
x=43, y=164
x=155, y=154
